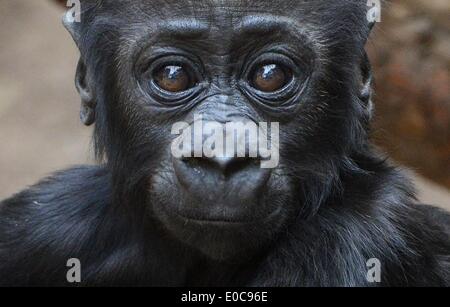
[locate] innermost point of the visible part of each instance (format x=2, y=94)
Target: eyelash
x=271, y=58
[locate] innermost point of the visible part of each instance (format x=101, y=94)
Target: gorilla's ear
x=366, y=83
x=365, y=94
x=84, y=85
x=83, y=80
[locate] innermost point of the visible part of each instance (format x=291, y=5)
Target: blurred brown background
x=40, y=130
x=411, y=56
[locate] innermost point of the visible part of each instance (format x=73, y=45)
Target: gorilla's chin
x=219, y=239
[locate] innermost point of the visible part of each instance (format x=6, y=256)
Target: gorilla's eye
x=270, y=77
x=173, y=78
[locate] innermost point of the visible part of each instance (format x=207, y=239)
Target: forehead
x=168, y=7
x=222, y=11
x=217, y=22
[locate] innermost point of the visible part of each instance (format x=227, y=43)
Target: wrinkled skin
x=142, y=217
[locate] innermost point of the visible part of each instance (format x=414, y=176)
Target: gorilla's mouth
x=214, y=221
x=225, y=219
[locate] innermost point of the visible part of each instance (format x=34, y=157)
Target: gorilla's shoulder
x=51, y=221
x=75, y=186
x=65, y=198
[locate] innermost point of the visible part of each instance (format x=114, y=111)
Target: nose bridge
x=220, y=108
x=221, y=71
x=221, y=62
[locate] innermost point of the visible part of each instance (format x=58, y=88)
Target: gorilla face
x=171, y=63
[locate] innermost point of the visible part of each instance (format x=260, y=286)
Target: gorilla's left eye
x=173, y=78
x=270, y=77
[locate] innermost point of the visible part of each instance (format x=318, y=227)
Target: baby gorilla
x=329, y=209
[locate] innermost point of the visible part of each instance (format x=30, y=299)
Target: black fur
x=344, y=203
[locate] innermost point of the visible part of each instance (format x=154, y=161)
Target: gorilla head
x=147, y=65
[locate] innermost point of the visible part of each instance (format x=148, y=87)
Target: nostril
x=218, y=179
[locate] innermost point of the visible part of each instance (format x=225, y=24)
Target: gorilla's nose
x=223, y=179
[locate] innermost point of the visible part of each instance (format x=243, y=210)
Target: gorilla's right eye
x=270, y=78
x=173, y=78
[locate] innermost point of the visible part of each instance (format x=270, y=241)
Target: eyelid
x=273, y=58
x=269, y=57
x=170, y=60
x=159, y=61
x=287, y=97
x=157, y=53
x=163, y=98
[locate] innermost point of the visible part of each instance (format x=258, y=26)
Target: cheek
x=144, y=135
x=163, y=186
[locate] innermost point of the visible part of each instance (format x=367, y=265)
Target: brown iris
x=270, y=78
x=172, y=78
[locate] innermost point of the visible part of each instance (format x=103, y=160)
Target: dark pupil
x=269, y=78
x=172, y=78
